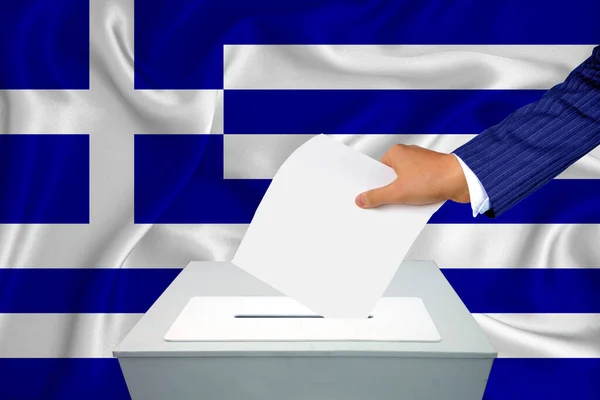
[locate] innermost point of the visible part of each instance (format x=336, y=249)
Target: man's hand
x=424, y=177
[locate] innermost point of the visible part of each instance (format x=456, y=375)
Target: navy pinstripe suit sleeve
x=538, y=141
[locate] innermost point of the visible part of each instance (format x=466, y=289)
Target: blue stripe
x=179, y=179
x=61, y=378
x=86, y=290
x=72, y=378
x=95, y=290
x=164, y=58
x=527, y=290
x=548, y=379
x=44, y=44
x=370, y=111
x=44, y=179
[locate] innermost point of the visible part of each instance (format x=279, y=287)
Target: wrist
x=456, y=186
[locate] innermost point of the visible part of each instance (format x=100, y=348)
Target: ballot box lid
x=461, y=335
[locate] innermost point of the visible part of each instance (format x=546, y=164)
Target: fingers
x=396, y=151
x=378, y=197
x=386, y=159
x=387, y=194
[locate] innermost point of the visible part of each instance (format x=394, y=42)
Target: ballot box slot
x=282, y=316
x=277, y=319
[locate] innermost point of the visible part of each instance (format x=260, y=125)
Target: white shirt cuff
x=480, y=202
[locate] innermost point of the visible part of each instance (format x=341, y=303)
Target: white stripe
x=543, y=335
x=509, y=245
x=449, y=245
x=400, y=66
x=175, y=245
x=149, y=246
x=260, y=156
x=96, y=335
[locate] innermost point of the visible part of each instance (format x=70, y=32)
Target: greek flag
x=135, y=138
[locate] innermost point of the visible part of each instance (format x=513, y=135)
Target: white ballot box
x=218, y=333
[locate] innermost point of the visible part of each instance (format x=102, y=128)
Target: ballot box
x=218, y=333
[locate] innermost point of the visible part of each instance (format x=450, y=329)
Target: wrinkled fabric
x=112, y=113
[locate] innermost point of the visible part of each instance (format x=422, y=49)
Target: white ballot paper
x=309, y=240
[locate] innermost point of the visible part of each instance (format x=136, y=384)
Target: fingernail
x=360, y=200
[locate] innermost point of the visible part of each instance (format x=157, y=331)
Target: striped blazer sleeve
x=538, y=141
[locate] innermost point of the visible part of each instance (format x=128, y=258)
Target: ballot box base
x=455, y=368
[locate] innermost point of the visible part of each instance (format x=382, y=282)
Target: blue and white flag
x=136, y=138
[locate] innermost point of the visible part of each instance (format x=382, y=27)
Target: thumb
x=377, y=197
